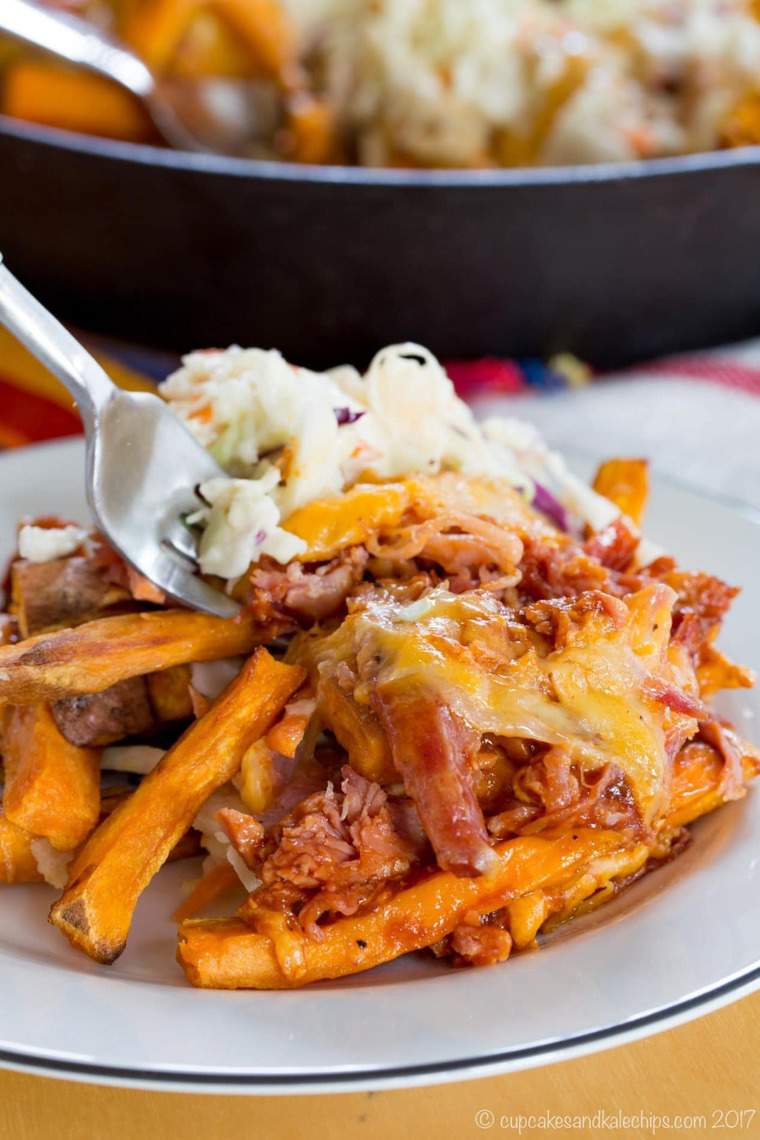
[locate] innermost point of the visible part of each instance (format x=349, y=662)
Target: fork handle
x=77, y=42
x=48, y=340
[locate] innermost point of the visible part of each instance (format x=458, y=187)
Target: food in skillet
x=435, y=83
x=464, y=700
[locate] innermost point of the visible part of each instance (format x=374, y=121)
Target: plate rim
x=404, y=1076
x=553, y=1050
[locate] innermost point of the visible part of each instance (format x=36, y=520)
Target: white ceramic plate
x=680, y=942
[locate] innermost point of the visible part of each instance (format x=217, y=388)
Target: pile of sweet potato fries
x=467, y=727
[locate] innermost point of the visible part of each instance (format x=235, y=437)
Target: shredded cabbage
x=288, y=436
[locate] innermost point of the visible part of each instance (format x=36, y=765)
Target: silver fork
x=142, y=465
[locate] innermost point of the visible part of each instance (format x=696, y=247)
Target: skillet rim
x=261, y=170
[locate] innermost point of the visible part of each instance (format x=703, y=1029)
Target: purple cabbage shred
x=545, y=502
x=347, y=416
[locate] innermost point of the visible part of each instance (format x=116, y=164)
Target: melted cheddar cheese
x=591, y=694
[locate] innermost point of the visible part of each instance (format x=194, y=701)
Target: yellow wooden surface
x=709, y=1068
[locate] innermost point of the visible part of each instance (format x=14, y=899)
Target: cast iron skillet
x=613, y=263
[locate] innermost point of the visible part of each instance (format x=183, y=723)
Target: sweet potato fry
x=19, y=865
x=17, y=862
x=228, y=954
x=206, y=891
x=94, y=720
x=169, y=692
x=716, y=672
x=625, y=482
x=262, y=32
x=135, y=706
x=285, y=736
x=186, y=848
x=73, y=100
x=52, y=787
x=61, y=593
x=697, y=780
x=358, y=730
x=9, y=631
x=96, y=655
x=122, y=856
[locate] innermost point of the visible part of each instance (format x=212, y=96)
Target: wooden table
x=709, y=1067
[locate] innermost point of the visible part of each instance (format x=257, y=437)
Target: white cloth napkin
x=705, y=431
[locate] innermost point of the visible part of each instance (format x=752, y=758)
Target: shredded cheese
x=288, y=437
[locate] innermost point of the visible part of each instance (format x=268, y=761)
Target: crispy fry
x=94, y=720
x=285, y=736
x=96, y=655
x=187, y=847
x=697, y=779
x=257, y=781
x=17, y=862
x=19, y=865
x=625, y=482
x=595, y=885
x=715, y=672
x=358, y=731
x=227, y=954
x=61, y=593
x=268, y=33
x=206, y=891
x=142, y=589
x=114, y=867
x=52, y=787
x=210, y=47
x=261, y=28
x=169, y=692
x=310, y=134
x=741, y=126
x=9, y=631
x=73, y=100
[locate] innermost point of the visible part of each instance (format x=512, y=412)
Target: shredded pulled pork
x=307, y=592
x=728, y=746
x=469, y=550
x=554, y=569
x=703, y=601
x=520, y=565
x=614, y=546
x=432, y=750
x=587, y=672
x=558, y=568
x=336, y=852
x=556, y=619
x=481, y=940
x=552, y=791
x=244, y=832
